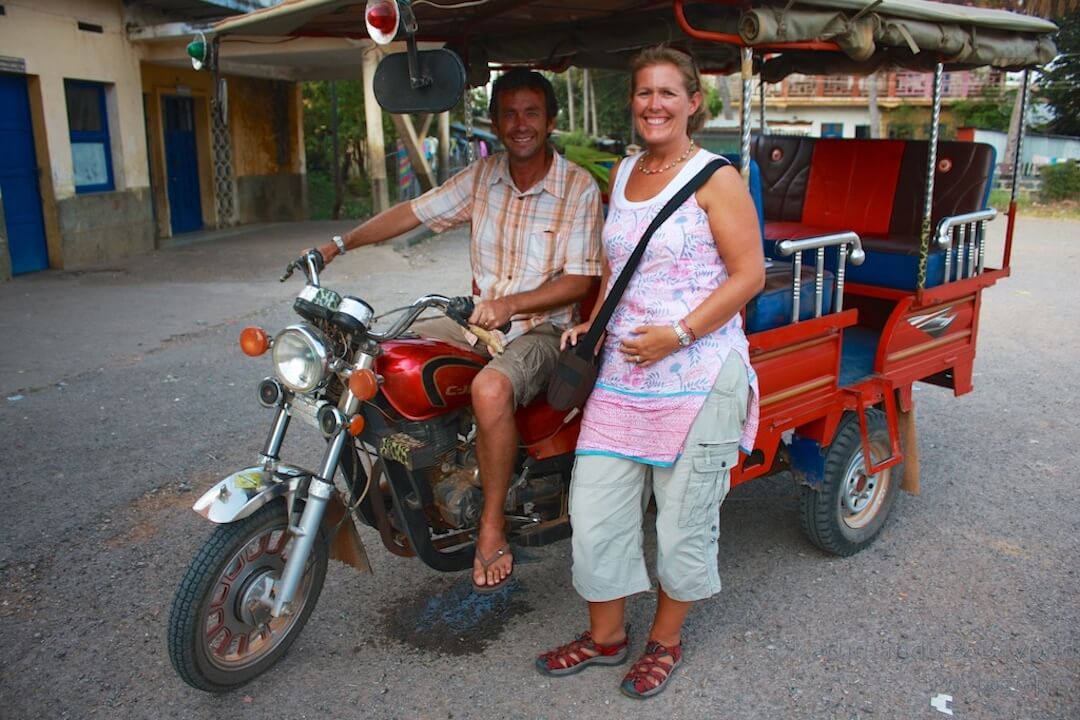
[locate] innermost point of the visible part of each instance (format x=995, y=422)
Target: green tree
x=612, y=102
x=351, y=160
x=1060, y=83
x=988, y=111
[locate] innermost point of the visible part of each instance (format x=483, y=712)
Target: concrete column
x=376, y=142
x=444, y=146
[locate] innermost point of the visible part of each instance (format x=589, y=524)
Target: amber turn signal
x=254, y=341
x=356, y=425
x=364, y=384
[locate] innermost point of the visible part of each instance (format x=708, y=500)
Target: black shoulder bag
x=575, y=373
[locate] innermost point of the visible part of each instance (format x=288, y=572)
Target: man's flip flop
x=485, y=563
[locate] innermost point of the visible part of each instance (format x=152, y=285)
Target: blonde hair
x=684, y=63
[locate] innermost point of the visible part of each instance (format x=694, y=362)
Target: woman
x=675, y=393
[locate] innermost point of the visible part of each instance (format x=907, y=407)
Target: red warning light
x=381, y=18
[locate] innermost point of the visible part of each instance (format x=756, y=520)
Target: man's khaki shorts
x=607, y=498
x=528, y=361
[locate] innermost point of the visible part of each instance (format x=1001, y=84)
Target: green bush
x=563, y=140
x=1060, y=182
x=356, y=203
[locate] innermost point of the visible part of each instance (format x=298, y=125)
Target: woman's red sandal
x=579, y=654
x=649, y=676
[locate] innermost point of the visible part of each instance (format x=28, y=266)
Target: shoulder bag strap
x=617, y=290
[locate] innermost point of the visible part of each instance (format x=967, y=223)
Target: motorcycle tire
x=850, y=508
x=215, y=641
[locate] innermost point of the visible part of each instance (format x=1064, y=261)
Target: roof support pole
x=1025, y=90
x=747, y=93
x=376, y=142
x=931, y=169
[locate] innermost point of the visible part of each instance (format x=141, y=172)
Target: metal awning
x=815, y=35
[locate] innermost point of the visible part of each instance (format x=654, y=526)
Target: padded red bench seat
x=817, y=186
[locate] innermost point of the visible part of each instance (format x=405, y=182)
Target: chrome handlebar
x=458, y=309
x=408, y=317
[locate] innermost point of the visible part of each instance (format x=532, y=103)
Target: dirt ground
x=124, y=395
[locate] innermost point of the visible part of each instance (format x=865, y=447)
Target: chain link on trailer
x=470, y=151
x=931, y=170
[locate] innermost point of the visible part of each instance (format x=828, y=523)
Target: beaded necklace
x=673, y=163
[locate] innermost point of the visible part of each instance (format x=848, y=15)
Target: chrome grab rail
x=968, y=231
x=819, y=243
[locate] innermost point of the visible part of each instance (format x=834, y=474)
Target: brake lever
x=317, y=265
x=288, y=271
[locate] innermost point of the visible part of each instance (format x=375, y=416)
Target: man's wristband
x=340, y=242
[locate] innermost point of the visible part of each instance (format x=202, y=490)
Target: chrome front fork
x=304, y=533
x=319, y=492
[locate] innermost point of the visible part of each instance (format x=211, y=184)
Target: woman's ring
x=637, y=359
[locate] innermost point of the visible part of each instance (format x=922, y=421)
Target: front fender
x=245, y=491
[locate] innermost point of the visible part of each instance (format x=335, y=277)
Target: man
x=535, y=251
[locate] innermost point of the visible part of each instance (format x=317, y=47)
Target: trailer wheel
x=848, y=511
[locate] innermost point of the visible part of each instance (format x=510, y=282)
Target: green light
x=199, y=52
x=196, y=50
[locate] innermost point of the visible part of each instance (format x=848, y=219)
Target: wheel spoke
x=220, y=643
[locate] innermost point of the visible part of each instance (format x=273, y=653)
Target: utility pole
x=335, y=213
x=585, y=99
x=592, y=104
x=872, y=100
x=570, y=97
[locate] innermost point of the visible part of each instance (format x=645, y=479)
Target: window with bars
x=91, y=149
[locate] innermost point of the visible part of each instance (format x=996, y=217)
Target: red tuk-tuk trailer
x=878, y=252
x=878, y=262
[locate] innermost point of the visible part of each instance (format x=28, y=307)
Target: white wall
x=804, y=120
x=45, y=34
x=1038, y=149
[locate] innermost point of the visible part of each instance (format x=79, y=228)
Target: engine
x=441, y=451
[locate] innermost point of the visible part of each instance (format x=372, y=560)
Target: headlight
x=300, y=359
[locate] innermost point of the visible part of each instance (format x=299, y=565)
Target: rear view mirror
x=435, y=85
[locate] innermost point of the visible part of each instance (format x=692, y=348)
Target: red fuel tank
x=423, y=378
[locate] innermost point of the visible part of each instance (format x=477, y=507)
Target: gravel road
x=125, y=395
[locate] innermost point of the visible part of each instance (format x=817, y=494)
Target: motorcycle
x=400, y=457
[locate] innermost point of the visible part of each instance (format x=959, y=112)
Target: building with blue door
x=112, y=145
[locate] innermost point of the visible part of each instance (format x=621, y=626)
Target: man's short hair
x=521, y=78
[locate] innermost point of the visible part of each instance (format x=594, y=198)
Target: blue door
x=19, y=179
x=181, y=164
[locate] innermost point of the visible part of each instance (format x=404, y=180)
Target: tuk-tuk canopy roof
x=805, y=36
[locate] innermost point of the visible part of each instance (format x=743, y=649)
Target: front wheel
x=848, y=511
x=220, y=634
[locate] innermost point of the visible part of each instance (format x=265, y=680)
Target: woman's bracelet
x=688, y=330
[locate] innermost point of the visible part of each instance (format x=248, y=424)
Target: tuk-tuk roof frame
x=843, y=36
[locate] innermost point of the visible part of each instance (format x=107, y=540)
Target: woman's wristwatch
x=340, y=242
x=683, y=333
